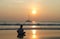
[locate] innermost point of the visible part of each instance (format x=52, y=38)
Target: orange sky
x=46, y=10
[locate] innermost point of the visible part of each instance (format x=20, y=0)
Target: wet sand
x=31, y=34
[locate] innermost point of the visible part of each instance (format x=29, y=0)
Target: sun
x=33, y=11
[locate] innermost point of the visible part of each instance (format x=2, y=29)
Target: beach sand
x=31, y=34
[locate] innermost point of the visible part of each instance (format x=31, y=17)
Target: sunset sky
x=18, y=10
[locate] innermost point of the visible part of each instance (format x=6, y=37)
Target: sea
x=32, y=31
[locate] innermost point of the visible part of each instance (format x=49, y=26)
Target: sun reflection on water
x=33, y=36
x=33, y=26
x=34, y=33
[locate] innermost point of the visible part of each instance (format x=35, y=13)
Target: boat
x=28, y=21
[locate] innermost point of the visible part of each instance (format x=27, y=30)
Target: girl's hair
x=21, y=26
